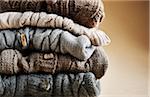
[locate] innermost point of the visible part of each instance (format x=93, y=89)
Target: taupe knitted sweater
x=13, y=62
x=85, y=12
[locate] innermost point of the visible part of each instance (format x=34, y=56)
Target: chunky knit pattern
x=86, y=12
x=51, y=48
x=17, y=20
x=56, y=40
x=46, y=85
x=13, y=62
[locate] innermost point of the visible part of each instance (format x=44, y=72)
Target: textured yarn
x=11, y=20
x=47, y=40
x=46, y=85
x=85, y=12
x=51, y=48
x=13, y=62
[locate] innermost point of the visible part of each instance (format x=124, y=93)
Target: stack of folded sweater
x=51, y=48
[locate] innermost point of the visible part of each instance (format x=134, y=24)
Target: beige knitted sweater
x=11, y=20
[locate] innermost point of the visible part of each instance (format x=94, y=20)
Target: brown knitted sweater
x=13, y=62
x=85, y=12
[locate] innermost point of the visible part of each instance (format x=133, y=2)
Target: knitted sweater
x=47, y=40
x=13, y=62
x=46, y=85
x=86, y=12
x=11, y=20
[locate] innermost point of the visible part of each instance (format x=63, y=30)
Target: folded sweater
x=11, y=20
x=85, y=12
x=46, y=85
x=13, y=62
x=47, y=40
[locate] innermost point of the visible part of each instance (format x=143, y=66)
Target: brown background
x=127, y=24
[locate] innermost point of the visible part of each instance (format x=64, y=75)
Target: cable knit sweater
x=47, y=40
x=13, y=62
x=85, y=12
x=11, y=20
x=46, y=85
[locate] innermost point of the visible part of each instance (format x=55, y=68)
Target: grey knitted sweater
x=46, y=85
x=47, y=40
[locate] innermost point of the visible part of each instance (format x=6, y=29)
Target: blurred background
x=127, y=24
